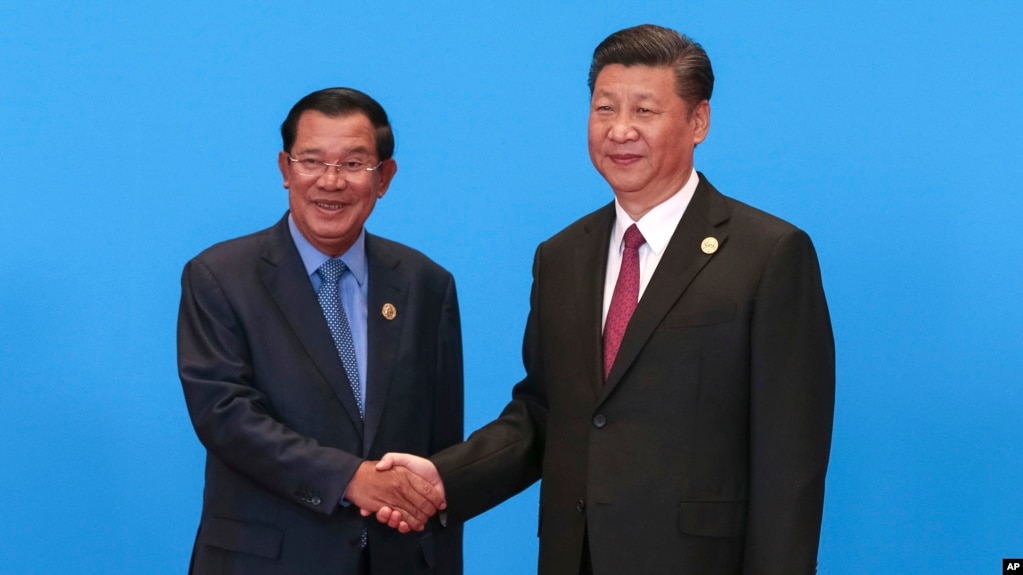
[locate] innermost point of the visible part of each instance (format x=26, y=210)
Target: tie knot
x=331, y=270
x=633, y=238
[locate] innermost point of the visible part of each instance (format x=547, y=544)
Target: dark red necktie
x=624, y=299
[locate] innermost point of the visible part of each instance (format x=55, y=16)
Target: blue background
x=136, y=136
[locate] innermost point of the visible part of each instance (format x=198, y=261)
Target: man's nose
x=622, y=129
x=333, y=178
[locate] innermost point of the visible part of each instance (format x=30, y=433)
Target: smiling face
x=330, y=210
x=642, y=134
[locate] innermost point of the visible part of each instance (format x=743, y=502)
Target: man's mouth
x=330, y=206
x=624, y=159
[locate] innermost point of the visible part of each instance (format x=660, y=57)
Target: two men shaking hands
x=679, y=363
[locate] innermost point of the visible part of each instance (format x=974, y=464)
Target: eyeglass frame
x=338, y=167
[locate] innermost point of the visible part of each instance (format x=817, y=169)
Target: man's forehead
x=636, y=81
x=316, y=129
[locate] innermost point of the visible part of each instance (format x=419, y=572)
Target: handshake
x=402, y=490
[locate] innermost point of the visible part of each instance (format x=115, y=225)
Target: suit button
x=599, y=421
x=315, y=500
x=580, y=506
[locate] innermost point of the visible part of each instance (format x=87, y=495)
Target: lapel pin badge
x=389, y=311
x=709, y=245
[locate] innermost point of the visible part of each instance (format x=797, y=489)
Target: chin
x=624, y=186
x=622, y=178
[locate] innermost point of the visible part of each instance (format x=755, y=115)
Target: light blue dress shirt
x=353, y=289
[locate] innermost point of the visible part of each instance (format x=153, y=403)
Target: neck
x=638, y=203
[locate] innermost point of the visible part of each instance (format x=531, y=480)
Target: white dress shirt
x=657, y=227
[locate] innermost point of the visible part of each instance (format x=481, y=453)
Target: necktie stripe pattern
x=329, y=296
x=624, y=298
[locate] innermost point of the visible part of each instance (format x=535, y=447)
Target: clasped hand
x=402, y=490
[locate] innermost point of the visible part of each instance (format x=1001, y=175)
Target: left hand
x=411, y=499
x=423, y=469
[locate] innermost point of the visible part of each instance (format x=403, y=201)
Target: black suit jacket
x=705, y=451
x=270, y=401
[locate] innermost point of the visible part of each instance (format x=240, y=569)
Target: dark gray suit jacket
x=706, y=449
x=271, y=403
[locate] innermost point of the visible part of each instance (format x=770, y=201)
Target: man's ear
x=387, y=169
x=700, y=118
x=282, y=163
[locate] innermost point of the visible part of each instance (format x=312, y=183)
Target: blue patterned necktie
x=330, y=300
x=330, y=272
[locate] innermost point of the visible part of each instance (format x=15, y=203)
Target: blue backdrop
x=134, y=136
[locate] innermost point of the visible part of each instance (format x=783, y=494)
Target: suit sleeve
x=505, y=456
x=231, y=416
x=792, y=393
x=449, y=408
x=448, y=419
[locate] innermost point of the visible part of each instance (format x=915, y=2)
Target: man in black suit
x=679, y=387
x=293, y=395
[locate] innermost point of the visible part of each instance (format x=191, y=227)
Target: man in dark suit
x=309, y=349
x=679, y=387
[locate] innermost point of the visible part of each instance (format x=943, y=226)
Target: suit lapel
x=387, y=285
x=682, y=261
x=285, y=278
x=590, y=270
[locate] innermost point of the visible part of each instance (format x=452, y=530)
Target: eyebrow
x=642, y=96
x=352, y=151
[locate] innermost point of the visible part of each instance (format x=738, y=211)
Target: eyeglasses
x=316, y=168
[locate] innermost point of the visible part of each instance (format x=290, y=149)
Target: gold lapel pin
x=709, y=245
x=389, y=312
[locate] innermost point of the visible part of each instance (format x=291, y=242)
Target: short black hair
x=336, y=102
x=652, y=45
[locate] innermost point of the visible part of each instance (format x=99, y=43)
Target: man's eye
x=643, y=110
x=310, y=164
x=353, y=165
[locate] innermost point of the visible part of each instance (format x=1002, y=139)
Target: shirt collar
x=312, y=258
x=657, y=225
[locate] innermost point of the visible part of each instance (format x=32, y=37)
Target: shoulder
x=229, y=251
x=745, y=220
x=755, y=235
x=239, y=257
x=582, y=230
x=757, y=221
x=389, y=253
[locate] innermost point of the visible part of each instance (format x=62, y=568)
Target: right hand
x=424, y=469
x=403, y=494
